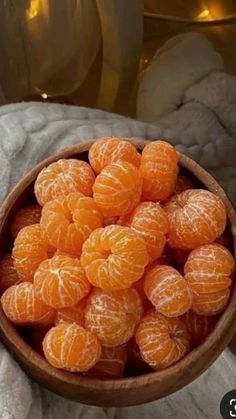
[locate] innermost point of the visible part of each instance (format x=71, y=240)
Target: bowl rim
x=217, y=341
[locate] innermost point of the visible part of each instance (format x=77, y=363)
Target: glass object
x=65, y=49
x=214, y=18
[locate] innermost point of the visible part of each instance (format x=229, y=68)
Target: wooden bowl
x=128, y=391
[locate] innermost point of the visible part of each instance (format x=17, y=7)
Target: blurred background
x=91, y=52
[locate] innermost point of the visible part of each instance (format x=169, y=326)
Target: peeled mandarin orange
x=114, y=257
x=111, y=149
x=25, y=217
x=196, y=217
x=117, y=189
x=183, y=183
x=113, y=316
x=208, y=268
x=150, y=221
x=162, y=341
x=159, y=169
x=61, y=282
x=63, y=177
x=8, y=274
x=30, y=249
x=68, y=221
x=210, y=304
x=22, y=307
x=198, y=326
x=168, y=291
x=111, y=363
x=71, y=347
x=73, y=314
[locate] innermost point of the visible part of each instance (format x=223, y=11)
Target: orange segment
x=199, y=327
x=168, y=291
x=25, y=217
x=8, y=274
x=30, y=249
x=114, y=257
x=111, y=363
x=159, y=169
x=71, y=347
x=111, y=149
x=117, y=189
x=210, y=304
x=68, y=221
x=63, y=177
x=61, y=282
x=208, y=269
x=73, y=314
x=162, y=341
x=150, y=221
x=113, y=316
x=196, y=217
x=22, y=307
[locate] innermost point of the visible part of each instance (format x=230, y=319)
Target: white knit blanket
x=203, y=127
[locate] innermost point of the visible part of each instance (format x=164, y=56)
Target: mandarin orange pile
x=120, y=265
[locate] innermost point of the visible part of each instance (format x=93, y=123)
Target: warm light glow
x=44, y=95
x=146, y=61
x=33, y=9
x=204, y=14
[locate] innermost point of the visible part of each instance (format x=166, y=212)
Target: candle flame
x=204, y=14
x=33, y=9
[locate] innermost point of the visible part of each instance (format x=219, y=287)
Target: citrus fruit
x=8, y=274
x=208, y=268
x=111, y=363
x=114, y=257
x=25, y=217
x=168, y=291
x=71, y=347
x=111, y=149
x=196, y=217
x=183, y=183
x=162, y=341
x=61, y=282
x=210, y=304
x=73, y=314
x=113, y=316
x=149, y=220
x=22, y=307
x=159, y=169
x=68, y=221
x=30, y=249
x=198, y=326
x=117, y=189
x=63, y=177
